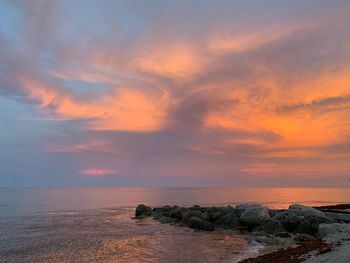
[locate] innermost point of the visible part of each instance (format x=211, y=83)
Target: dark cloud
x=322, y=105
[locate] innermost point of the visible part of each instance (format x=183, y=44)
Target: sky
x=175, y=93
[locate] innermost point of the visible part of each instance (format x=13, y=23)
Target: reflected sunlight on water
x=95, y=225
x=28, y=200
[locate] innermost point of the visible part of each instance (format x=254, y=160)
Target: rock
x=156, y=215
x=178, y=213
x=142, y=211
x=283, y=234
x=198, y=223
x=273, y=241
x=255, y=216
x=329, y=229
x=167, y=220
x=227, y=221
x=239, y=209
x=339, y=217
x=187, y=216
x=248, y=206
x=304, y=238
x=198, y=208
x=166, y=210
x=273, y=212
x=305, y=210
x=310, y=224
x=272, y=227
x=214, y=213
x=288, y=219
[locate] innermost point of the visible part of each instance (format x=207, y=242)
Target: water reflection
x=111, y=236
x=28, y=200
x=95, y=225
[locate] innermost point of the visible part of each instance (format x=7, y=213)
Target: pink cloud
x=97, y=172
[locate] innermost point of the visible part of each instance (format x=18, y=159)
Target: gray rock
x=178, y=213
x=325, y=230
x=214, y=213
x=239, y=209
x=187, y=216
x=338, y=236
x=227, y=221
x=255, y=216
x=166, y=210
x=310, y=224
x=272, y=227
x=142, y=211
x=273, y=241
x=156, y=215
x=198, y=223
x=288, y=219
x=248, y=206
x=305, y=210
x=167, y=220
x=339, y=217
x=273, y=212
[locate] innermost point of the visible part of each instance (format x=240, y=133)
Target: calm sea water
x=95, y=225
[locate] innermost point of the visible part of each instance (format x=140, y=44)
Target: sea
x=97, y=225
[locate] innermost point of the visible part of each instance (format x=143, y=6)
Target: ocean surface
x=96, y=225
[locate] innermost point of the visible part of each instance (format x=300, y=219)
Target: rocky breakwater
x=256, y=218
x=287, y=228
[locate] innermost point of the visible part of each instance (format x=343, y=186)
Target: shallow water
x=110, y=235
x=95, y=225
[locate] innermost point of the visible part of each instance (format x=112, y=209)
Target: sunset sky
x=175, y=93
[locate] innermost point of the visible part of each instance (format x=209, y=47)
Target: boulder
x=227, y=221
x=142, y=211
x=248, y=206
x=166, y=210
x=273, y=212
x=310, y=224
x=197, y=208
x=288, y=219
x=156, y=215
x=325, y=230
x=339, y=217
x=187, y=216
x=255, y=216
x=275, y=241
x=239, y=209
x=271, y=227
x=167, y=220
x=214, y=213
x=198, y=223
x=305, y=210
x=178, y=213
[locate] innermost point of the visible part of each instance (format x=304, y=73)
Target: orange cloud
x=315, y=113
x=177, y=60
x=297, y=169
x=269, y=99
x=127, y=109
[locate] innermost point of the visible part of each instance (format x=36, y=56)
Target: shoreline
x=297, y=234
